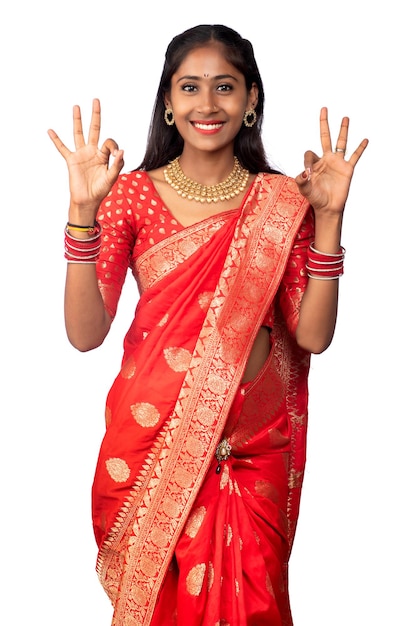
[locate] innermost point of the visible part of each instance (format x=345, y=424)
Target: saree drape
x=183, y=538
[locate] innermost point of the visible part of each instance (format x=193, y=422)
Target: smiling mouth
x=202, y=126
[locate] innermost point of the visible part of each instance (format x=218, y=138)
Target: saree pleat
x=180, y=542
x=234, y=548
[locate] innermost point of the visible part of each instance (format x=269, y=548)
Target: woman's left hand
x=326, y=180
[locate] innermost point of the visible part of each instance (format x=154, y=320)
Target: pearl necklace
x=191, y=190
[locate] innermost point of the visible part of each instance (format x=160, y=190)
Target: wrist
x=82, y=214
x=328, y=233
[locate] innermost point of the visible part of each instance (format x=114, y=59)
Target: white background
x=355, y=556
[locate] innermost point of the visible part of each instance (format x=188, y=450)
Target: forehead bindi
x=207, y=63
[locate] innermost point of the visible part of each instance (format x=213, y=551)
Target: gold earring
x=169, y=116
x=250, y=118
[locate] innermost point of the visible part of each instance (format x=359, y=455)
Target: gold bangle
x=84, y=229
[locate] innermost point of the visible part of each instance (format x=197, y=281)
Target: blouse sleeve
x=295, y=278
x=118, y=239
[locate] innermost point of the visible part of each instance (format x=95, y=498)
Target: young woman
x=197, y=488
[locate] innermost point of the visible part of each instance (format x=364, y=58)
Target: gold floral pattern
x=205, y=299
x=182, y=477
x=178, y=359
x=145, y=414
x=129, y=368
x=118, y=470
x=195, y=521
x=195, y=578
x=159, y=537
x=228, y=535
x=211, y=575
x=267, y=490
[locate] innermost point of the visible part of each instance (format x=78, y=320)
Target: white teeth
x=208, y=126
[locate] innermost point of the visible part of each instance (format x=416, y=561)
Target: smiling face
x=209, y=96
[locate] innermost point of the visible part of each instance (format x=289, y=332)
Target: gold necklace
x=192, y=190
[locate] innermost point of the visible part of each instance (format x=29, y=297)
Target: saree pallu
x=180, y=542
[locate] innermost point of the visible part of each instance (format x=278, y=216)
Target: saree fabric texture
x=186, y=536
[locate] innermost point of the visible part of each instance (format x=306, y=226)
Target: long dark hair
x=165, y=142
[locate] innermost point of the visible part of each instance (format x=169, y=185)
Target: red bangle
x=82, y=250
x=325, y=265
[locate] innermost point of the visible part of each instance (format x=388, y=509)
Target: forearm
x=318, y=312
x=325, y=183
x=86, y=319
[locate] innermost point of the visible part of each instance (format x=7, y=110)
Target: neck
x=208, y=168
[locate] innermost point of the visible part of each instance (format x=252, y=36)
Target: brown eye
x=189, y=88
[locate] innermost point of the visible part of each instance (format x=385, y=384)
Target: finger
x=62, y=149
x=324, y=130
x=357, y=153
x=94, y=131
x=117, y=164
x=341, y=144
x=303, y=181
x=109, y=147
x=78, y=128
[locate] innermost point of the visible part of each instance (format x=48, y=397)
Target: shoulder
x=131, y=180
x=124, y=203
x=283, y=179
x=130, y=190
x=283, y=186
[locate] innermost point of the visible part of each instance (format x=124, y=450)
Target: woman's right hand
x=91, y=175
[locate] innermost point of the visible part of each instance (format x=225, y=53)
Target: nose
x=207, y=103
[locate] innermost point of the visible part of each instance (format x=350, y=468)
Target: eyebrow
x=219, y=77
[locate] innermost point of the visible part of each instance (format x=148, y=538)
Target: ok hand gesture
x=326, y=180
x=91, y=175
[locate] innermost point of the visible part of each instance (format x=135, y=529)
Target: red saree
x=180, y=542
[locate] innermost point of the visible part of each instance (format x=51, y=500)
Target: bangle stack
x=82, y=250
x=323, y=265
